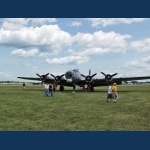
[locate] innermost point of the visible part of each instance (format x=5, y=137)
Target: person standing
x=54, y=87
x=46, y=89
x=74, y=88
x=50, y=89
x=114, y=92
x=81, y=87
x=85, y=87
x=109, y=94
x=24, y=85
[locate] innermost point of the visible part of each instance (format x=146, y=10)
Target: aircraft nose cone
x=68, y=74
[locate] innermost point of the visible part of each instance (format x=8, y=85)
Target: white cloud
x=99, y=43
x=18, y=23
x=100, y=38
x=138, y=67
x=27, y=64
x=14, y=23
x=91, y=51
x=68, y=60
x=34, y=67
x=4, y=74
x=41, y=21
x=23, y=53
x=51, y=41
x=75, y=24
x=70, y=50
x=135, y=64
x=113, y=21
x=22, y=21
x=141, y=45
x=11, y=26
x=135, y=68
x=144, y=62
x=48, y=38
x=45, y=54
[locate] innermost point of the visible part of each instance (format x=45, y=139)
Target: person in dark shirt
x=24, y=85
x=54, y=87
x=50, y=89
x=74, y=88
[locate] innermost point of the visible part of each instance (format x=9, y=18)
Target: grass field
x=84, y=111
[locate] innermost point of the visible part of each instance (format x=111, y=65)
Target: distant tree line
x=9, y=81
x=12, y=82
x=4, y=82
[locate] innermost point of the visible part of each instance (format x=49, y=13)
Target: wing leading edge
x=102, y=82
x=29, y=78
x=47, y=79
x=37, y=79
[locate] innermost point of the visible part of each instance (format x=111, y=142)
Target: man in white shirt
x=85, y=87
x=46, y=89
x=109, y=94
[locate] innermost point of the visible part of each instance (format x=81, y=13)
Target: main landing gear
x=61, y=88
x=91, y=88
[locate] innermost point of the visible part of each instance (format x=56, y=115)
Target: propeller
x=108, y=77
x=57, y=78
x=89, y=77
x=42, y=77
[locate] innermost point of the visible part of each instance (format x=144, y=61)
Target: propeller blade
x=38, y=74
x=83, y=75
x=42, y=77
x=46, y=74
x=114, y=74
x=94, y=75
x=103, y=73
x=61, y=75
x=88, y=78
x=52, y=75
x=108, y=77
x=57, y=78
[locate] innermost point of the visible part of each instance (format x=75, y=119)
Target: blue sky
x=56, y=45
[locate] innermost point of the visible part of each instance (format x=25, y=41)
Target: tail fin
x=89, y=71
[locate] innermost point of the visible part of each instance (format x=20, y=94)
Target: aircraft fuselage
x=73, y=76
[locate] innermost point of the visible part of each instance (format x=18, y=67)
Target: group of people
x=50, y=88
x=82, y=87
x=112, y=90
x=112, y=93
x=85, y=87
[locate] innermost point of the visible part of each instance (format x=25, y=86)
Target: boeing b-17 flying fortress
x=74, y=76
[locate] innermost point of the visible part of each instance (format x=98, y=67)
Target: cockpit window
x=76, y=70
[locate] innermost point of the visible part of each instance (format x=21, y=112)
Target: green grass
x=84, y=111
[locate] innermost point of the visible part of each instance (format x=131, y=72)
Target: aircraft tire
x=61, y=88
x=92, y=88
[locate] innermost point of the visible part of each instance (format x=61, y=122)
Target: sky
x=56, y=45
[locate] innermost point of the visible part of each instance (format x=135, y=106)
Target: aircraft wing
x=38, y=79
x=30, y=78
x=47, y=79
x=131, y=78
x=103, y=82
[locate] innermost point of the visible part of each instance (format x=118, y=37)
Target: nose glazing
x=68, y=74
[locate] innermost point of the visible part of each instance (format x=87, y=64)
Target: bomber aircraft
x=74, y=76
